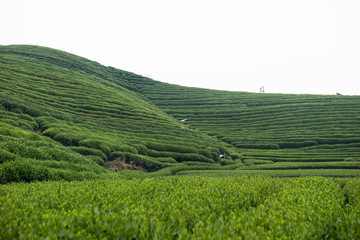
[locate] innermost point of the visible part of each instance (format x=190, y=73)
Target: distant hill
x=263, y=127
x=66, y=117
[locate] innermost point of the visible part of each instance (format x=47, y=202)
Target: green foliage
x=6, y=156
x=280, y=173
x=257, y=161
x=146, y=162
x=24, y=157
x=170, y=148
x=166, y=160
x=86, y=106
x=80, y=103
x=67, y=139
x=297, y=144
x=93, y=143
x=130, y=149
x=258, y=146
x=265, y=126
x=226, y=161
x=302, y=165
x=182, y=208
x=97, y=159
x=31, y=170
x=22, y=171
x=115, y=155
x=352, y=159
x=89, y=151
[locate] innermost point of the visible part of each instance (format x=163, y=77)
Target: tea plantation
x=57, y=104
x=93, y=152
x=118, y=119
x=268, y=128
x=183, y=208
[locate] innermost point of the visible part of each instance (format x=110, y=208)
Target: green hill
x=66, y=117
x=68, y=113
x=268, y=128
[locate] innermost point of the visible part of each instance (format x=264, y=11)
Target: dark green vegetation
x=269, y=128
x=56, y=104
x=65, y=117
x=183, y=208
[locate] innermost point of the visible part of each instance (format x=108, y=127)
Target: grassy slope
x=48, y=95
x=268, y=127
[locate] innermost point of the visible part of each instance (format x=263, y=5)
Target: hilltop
x=65, y=117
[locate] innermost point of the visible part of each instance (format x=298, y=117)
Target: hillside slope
x=266, y=127
x=49, y=97
x=66, y=117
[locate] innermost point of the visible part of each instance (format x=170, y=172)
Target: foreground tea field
x=183, y=208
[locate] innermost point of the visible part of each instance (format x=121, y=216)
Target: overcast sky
x=287, y=46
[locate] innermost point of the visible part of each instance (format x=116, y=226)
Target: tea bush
x=89, y=151
x=182, y=208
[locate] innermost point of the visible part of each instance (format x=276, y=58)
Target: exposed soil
x=118, y=164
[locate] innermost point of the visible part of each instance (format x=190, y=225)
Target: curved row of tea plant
x=183, y=208
x=105, y=114
x=93, y=110
x=275, y=127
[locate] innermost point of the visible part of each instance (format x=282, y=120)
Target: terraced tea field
x=54, y=103
x=64, y=103
x=93, y=152
x=267, y=127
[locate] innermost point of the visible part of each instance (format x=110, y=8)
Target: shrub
x=205, y=153
x=26, y=149
x=258, y=146
x=97, y=159
x=191, y=157
x=65, y=139
x=257, y=161
x=352, y=159
x=115, y=155
x=215, y=154
x=141, y=149
x=45, y=122
x=16, y=110
x=146, y=162
x=170, y=148
x=157, y=154
x=235, y=155
x=22, y=171
x=89, y=151
x=297, y=144
x=226, y=161
x=6, y=156
x=9, y=130
x=180, y=157
x=69, y=175
x=97, y=144
x=52, y=132
x=125, y=148
x=166, y=160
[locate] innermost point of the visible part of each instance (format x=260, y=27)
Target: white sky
x=287, y=46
